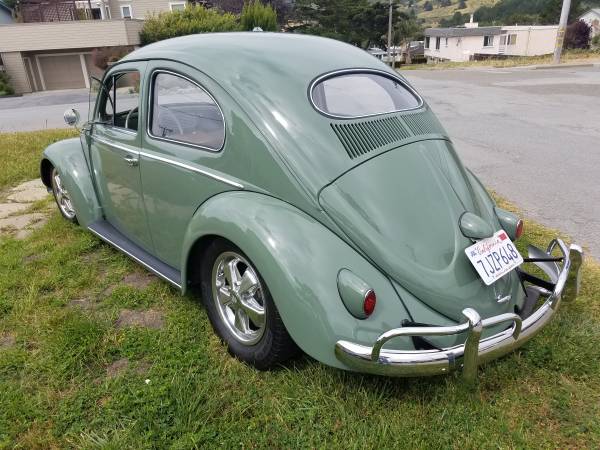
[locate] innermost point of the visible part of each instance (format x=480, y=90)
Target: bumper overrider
x=563, y=272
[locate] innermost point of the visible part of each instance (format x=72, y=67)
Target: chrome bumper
x=565, y=281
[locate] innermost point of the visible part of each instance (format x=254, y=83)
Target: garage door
x=62, y=71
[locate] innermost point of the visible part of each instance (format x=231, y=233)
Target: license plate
x=494, y=257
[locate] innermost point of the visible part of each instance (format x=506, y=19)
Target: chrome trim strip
x=474, y=351
x=175, y=141
x=365, y=70
x=135, y=258
x=173, y=162
x=193, y=169
x=120, y=146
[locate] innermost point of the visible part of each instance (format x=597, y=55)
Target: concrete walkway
x=14, y=216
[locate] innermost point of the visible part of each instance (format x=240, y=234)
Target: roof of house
x=459, y=32
x=595, y=11
x=3, y=5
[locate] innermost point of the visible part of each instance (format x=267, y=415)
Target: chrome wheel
x=62, y=196
x=239, y=297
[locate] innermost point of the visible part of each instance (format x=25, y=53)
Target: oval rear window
x=359, y=94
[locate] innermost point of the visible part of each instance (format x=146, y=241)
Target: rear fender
x=68, y=158
x=299, y=259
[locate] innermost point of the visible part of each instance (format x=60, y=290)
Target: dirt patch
x=151, y=318
x=118, y=367
x=7, y=340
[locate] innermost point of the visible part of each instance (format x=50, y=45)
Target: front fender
x=68, y=158
x=299, y=259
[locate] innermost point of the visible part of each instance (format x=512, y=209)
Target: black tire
x=62, y=197
x=275, y=344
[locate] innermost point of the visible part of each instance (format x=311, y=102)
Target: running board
x=114, y=237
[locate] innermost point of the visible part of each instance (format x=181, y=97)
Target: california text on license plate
x=494, y=257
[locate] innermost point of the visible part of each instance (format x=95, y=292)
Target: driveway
x=41, y=110
x=533, y=136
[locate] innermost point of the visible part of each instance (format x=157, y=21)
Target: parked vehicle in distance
x=312, y=199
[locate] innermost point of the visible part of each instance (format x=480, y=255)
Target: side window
x=120, y=104
x=184, y=112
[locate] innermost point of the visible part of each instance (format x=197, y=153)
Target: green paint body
x=307, y=209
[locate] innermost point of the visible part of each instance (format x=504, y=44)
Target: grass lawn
x=70, y=376
x=568, y=56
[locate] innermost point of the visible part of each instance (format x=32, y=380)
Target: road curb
x=565, y=66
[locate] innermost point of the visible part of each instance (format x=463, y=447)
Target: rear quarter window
x=359, y=94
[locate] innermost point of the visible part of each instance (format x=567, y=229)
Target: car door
x=115, y=148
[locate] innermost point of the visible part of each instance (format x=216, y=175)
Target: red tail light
x=519, y=230
x=370, y=302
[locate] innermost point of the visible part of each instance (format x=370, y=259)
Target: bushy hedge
x=255, y=14
x=191, y=20
x=5, y=87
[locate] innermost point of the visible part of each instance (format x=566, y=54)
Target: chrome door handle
x=130, y=160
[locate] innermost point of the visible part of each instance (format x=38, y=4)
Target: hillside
x=432, y=17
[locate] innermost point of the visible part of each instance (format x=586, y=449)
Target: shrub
x=255, y=14
x=105, y=56
x=5, y=87
x=578, y=35
x=191, y=20
x=596, y=42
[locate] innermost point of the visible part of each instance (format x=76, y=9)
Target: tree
x=578, y=35
x=456, y=19
x=191, y=20
x=255, y=14
x=427, y=6
x=354, y=21
x=462, y=4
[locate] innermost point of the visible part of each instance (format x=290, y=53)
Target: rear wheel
x=62, y=197
x=241, y=309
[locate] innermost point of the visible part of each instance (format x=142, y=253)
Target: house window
x=503, y=39
x=177, y=6
x=488, y=41
x=184, y=112
x=427, y=39
x=126, y=12
x=446, y=42
x=437, y=43
x=512, y=39
x=107, y=12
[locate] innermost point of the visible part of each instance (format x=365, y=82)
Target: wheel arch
x=299, y=259
x=68, y=158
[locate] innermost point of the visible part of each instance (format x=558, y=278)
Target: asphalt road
x=533, y=136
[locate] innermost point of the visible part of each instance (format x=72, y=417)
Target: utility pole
x=562, y=25
x=389, y=49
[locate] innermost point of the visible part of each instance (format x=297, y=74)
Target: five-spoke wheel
x=241, y=309
x=62, y=197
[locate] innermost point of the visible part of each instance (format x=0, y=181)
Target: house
x=592, y=18
x=472, y=42
x=51, y=47
x=5, y=14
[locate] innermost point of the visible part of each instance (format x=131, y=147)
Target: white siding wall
x=532, y=41
x=461, y=48
x=140, y=8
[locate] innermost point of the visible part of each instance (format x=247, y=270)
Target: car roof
x=223, y=55
x=269, y=75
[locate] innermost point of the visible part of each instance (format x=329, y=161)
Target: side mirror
x=71, y=117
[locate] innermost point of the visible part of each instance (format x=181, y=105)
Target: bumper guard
x=474, y=351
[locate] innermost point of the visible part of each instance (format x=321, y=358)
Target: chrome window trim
x=342, y=72
x=190, y=167
x=153, y=75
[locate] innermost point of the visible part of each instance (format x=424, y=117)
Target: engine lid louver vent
x=359, y=138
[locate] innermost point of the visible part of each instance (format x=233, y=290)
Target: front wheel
x=241, y=309
x=62, y=197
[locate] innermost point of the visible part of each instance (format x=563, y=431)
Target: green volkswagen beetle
x=309, y=196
